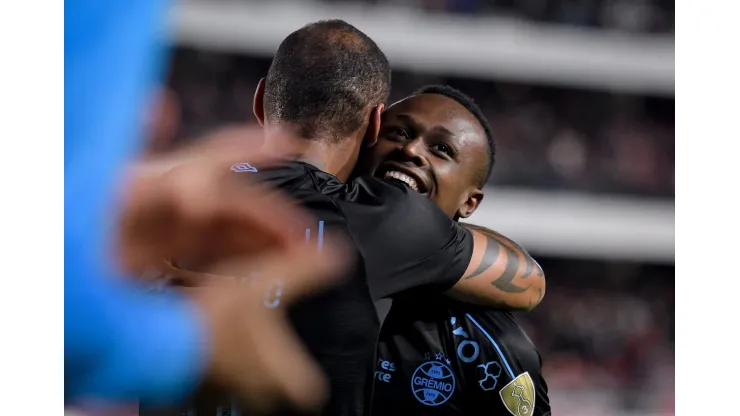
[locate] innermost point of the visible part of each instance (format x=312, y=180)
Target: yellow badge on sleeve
x=518, y=396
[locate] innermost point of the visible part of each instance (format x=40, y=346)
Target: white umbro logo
x=243, y=167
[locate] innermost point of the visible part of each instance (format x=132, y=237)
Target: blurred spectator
x=548, y=137
x=607, y=326
x=636, y=16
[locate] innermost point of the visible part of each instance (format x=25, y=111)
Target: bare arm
x=501, y=274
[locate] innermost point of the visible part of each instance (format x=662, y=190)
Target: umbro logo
x=243, y=167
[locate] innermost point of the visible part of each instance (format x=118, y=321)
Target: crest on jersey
x=518, y=396
x=433, y=383
x=243, y=167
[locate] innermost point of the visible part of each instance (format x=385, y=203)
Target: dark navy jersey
x=404, y=245
x=439, y=357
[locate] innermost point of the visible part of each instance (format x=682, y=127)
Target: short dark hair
x=324, y=78
x=467, y=102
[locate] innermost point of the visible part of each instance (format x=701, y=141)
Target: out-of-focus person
x=121, y=342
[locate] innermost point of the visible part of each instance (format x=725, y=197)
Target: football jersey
x=403, y=245
x=440, y=357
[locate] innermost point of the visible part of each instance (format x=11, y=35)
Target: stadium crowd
x=615, y=333
x=631, y=16
x=550, y=138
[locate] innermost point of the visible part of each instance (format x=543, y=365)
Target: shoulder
x=401, y=206
x=369, y=189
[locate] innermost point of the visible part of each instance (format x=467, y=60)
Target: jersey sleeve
x=409, y=246
x=507, y=374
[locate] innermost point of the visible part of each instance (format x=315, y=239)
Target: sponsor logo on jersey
x=491, y=373
x=518, y=396
x=433, y=383
x=468, y=350
x=243, y=167
x=384, y=370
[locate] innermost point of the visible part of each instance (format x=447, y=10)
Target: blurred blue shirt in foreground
x=120, y=342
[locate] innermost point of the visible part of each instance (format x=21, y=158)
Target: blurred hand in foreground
x=186, y=204
x=256, y=355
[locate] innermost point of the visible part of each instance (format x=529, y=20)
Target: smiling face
x=435, y=146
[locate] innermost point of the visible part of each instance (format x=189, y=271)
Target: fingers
x=184, y=278
x=188, y=204
x=283, y=279
x=297, y=377
x=237, y=208
x=280, y=276
x=224, y=147
x=281, y=370
x=284, y=276
x=256, y=353
x=188, y=215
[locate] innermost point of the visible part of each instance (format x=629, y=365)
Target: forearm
x=482, y=294
x=501, y=274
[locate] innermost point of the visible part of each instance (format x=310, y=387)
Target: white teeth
x=408, y=180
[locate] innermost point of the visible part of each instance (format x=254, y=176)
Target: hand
x=188, y=204
x=255, y=354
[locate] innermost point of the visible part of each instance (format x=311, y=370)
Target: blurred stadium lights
x=576, y=225
x=478, y=46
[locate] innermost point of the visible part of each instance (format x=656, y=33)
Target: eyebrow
x=412, y=122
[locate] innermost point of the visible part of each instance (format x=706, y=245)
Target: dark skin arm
x=501, y=274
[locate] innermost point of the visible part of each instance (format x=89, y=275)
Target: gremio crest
x=518, y=396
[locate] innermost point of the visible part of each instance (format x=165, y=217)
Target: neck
x=335, y=158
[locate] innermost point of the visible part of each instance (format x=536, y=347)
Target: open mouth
x=403, y=178
x=397, y=172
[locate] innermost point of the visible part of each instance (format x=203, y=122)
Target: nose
x=415, y=151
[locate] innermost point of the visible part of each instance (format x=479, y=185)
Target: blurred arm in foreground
x=122, y=343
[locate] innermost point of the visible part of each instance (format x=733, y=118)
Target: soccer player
x=437, y=356
x=320, y=104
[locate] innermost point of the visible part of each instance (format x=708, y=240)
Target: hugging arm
x=500, y=274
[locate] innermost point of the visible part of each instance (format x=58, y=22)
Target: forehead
x=431, y=111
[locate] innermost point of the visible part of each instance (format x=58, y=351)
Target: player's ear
x=470, y=203
x=258, y=105
x=373, y=126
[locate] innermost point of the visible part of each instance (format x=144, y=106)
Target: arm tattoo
x=489, y=258
x=497, y=244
